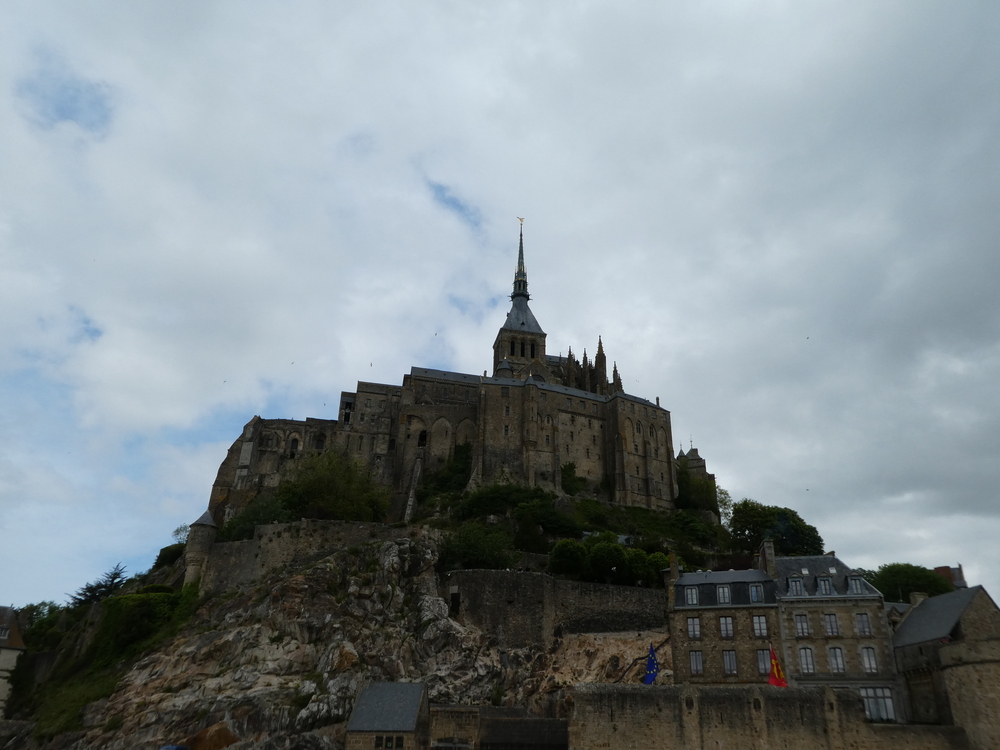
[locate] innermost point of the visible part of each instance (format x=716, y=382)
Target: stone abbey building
x=534, y=414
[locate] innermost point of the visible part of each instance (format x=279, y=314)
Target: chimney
x=672, y=577
x=767, y=562
x=916, y=597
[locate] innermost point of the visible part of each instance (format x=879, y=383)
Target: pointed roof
x=205, y=519
x=520, y=317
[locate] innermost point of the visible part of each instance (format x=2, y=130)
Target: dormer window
x=691, y=595
x=825, y=587
x=756, y=592
x=722, y=594
x=857, y=587
x=795, y=586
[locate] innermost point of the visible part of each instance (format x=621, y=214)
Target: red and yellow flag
x=777, y=677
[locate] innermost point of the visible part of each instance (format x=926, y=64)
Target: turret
x=201, y=537
x=600, y=368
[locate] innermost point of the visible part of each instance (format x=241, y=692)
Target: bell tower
x=520, y=341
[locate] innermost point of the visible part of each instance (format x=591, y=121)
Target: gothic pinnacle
x=520, y=275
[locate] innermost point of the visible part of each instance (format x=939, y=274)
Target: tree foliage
x=897, y=581
x=571, y=483
x=333, y=487
x=262, y=510
x=475, y=545
x=695, y=492
x=100, y=589
x=752, y=522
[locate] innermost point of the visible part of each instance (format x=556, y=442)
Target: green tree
x=752, y=522
x=695, y=492
x=897, y=581
x=260, y=511
x=607, y=562
x=474, y=545
x=332, y=486
x=568, y=557
x=725, y=501
x=571, y=483
x=100, y=589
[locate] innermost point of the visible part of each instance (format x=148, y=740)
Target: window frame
x=729, y=665
x=869, y=660
x=824, y=587
x=835, y=657
x=760, y=626
x=696, y=662
x=807, y=661
x=795, y=587
x=802, y=629
x=723, y=594
x=691, y=595
x=694, y=628
x=878, y=703
x=726, y=627
x=830, y=618
x=756, y=593
x=863, y=623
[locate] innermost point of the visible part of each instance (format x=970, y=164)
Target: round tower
x=201, y=537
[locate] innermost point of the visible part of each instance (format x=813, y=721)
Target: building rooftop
x=722, y=576
x=387, y=707
x=935, y=618
x=811, y=568
x=520, y=317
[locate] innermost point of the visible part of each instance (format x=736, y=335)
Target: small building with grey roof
x=390, y=715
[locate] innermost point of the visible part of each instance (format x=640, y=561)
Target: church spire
x=520, y=275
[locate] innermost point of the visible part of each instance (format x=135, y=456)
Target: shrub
x=474, y=545
x=568, y=557
x=333, y=487
x=571, y=483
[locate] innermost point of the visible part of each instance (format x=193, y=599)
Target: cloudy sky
x=780, y=216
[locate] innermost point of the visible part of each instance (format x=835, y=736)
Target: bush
x=333, y=487
x=568, y=557
x=262, y=510
x=606, y=562
x=497, y=499
x=474, y=545
x=571, y=483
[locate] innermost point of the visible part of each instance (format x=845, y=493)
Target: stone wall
x=972, y=677
x=526, y=608
x=759, y=717
x=234, y=564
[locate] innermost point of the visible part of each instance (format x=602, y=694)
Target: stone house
x=533, y=414
x=11, y=646
x=390, y=715
x=965, y=616
x=721, y=625
x=834, y=630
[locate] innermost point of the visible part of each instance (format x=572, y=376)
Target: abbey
x=534, y=415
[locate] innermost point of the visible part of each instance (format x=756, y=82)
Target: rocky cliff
x=278, y=664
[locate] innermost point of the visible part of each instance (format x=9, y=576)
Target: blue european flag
x=652, y=667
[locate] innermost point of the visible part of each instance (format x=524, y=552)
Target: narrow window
x=546, y=439
x=864, y=624
x=878, y=704
x=806, y=661
x=638, y=427
x=795, y=586
x=694, y=628
x=697, y=665
x=729, y=662
x=532, y=350
x=832, y=626
x=548, y=419
x=857, y=587
x=690, y=594
x=506, y=430
x=801, y=625
x=760, y=626
x=371, y=445
x=593, y=439
x=756, y=593
x=837, y=660
x=763, y=661
x=522, y=348
x=293, y=446
x=422, y=439
x=571, y=436
x=825, y=587
x=868, y=660
x=512, y=347
x=506, y=411
x=652, y=431
x=722, y=594
x=588, y=452
x=726, y=627
x=320, y=442
x=361, y=441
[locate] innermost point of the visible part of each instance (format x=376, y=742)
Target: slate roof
x=520, y=317
x=934, y=618
x=387, y=707
x=818, y=566
x=722, y=576
x=205, y=519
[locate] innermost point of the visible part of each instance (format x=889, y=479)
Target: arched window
x=512, y=347
x=652, y=431
x=532, y=350
x=422, y=439
x=522, y=348
x=638, y=427
x=293, y=446
x=320, y=442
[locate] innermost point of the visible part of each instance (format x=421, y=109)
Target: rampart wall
x=527, y=608
x=972, y=678
x=234, y=564
x=749, y=718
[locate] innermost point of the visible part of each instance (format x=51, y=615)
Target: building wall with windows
x=721, y=626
